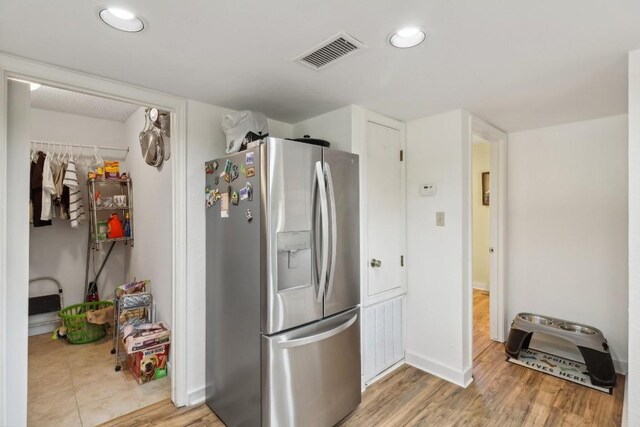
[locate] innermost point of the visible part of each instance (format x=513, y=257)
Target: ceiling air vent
x=328, y=52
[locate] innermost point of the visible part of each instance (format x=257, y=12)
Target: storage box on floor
x=147, y=348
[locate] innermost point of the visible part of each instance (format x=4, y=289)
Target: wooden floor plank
x=502, y=394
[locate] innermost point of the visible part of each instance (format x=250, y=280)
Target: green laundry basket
x=74, y=319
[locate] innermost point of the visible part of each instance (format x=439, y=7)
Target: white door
x=385, y=212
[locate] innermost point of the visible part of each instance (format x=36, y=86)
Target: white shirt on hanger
x=48, y=190
x=76, y=210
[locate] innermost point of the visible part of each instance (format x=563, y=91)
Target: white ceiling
x=518, y=64
x=50, y=98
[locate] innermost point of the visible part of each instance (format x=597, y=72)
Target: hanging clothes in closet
x=36, y=193
x=60, y=200
x=76, y=209
x=54, y=191
x=48, y=190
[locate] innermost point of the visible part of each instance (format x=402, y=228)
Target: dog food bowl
x=589, y=340
x=578, y=329
x=534, y=318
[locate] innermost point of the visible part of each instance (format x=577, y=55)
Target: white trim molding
x=11, y=66
x=384, y=373
x=481, y=286
x=3, y=246
x=179, y=232
x=197, y=397
x=461, y=378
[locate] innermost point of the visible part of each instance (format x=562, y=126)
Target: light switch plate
x=440, y=219
x=428, y=190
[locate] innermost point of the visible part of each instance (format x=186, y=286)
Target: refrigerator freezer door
x=290, y=295
x=233, y=263
x=311, y=375
x=343, y=282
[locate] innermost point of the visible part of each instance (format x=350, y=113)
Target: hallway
x=481, y=340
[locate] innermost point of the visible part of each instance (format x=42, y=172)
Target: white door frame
x=11, y=66
x=498, y=323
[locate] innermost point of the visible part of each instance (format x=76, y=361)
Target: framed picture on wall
x=485, y=188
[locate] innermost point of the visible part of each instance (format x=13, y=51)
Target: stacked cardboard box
x=147, y=347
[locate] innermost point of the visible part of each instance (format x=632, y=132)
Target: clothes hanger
x=98, y=161
x=59, y=154
x=33, y=153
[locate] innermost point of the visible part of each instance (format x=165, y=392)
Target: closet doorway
x=88, y=235
x=14, y=233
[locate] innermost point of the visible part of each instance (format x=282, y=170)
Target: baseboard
x=481, y=286
x=462, y=379
x=42, y=329
x=43, y=323
x=621, y=366
x=384, y=373
x=625, y=406
x=196, y=397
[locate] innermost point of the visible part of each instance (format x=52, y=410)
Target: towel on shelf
x=101, y=316
x=134, y=313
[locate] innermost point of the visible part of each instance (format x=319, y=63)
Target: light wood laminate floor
x=502, y=394
x=481, y=340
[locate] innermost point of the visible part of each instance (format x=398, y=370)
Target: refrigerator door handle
x=324, y=217
x=318, y=337
x=334, y=229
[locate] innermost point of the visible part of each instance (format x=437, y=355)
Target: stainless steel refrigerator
x=283, y=285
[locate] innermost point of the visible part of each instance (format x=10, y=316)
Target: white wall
x=150, y=257
x=334, y=126
x=437, y=260
x=58, y=250
x=567, y=229
x=206, y=141
x=632, y=397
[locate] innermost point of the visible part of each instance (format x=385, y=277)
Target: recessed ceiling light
x=32, y=86
x=407, y=37
x=121, y=19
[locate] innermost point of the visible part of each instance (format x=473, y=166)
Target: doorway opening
x=14, y=148
x=487, y=249
x=481, y=238
x=84, y=241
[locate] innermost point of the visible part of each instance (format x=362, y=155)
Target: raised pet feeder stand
x=589, y=340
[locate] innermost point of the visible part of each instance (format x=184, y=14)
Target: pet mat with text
x=556, y=366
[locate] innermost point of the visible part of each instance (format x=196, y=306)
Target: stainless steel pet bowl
x=534, y=318
x=578, y=329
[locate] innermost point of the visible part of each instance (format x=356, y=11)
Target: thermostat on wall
x=428, y=190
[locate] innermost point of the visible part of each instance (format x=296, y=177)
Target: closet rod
x=63, y=145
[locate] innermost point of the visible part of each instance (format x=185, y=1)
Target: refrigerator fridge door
x=311, y=375
x=294, y=200
x=343, y=278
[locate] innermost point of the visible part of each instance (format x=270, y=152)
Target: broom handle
x=86, y=273
x=104, y=262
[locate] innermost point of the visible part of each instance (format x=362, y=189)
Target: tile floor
x=76, y=385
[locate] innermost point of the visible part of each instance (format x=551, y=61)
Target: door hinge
x=401, y=155
x=401, y=260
